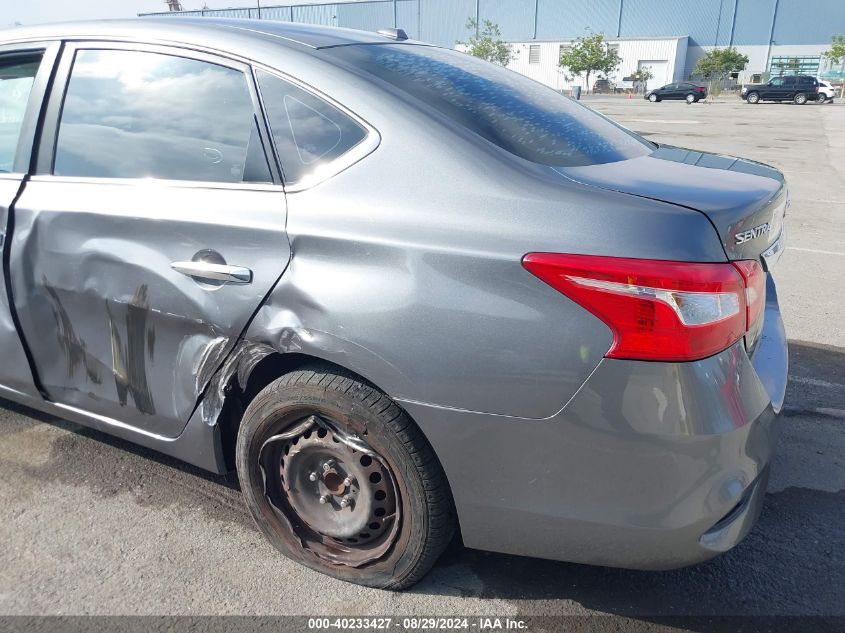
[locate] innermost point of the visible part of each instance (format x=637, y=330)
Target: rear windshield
x=518, y=114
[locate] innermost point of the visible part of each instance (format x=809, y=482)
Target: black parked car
x=798, y=88
x=689, y=92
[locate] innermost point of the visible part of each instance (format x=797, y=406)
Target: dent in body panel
x=153, y=336
x=106, y=332
x=284, y=336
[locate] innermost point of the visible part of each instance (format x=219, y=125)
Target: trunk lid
x=744, y=200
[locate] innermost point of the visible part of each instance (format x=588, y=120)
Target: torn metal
x=235, y=372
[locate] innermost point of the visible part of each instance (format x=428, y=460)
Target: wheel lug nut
x=348, y=481
x=327, y=466
x=325, y=499
x=313, y=476
x=344, y=502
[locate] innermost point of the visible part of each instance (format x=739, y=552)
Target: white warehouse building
x=664, y=57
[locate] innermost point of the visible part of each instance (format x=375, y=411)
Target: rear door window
x=518, y=114
x=308, y=131
x=17, y=74
x=138, y=114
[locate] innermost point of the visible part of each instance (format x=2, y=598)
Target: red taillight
x=700, y=88
x=755, y=288
x=657, y=310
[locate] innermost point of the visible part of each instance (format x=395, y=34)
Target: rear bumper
x=733, y=527
x=649, y=466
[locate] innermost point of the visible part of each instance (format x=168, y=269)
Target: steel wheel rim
x=335, y=493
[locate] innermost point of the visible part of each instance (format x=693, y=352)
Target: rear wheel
x=653, y=98
x=691, y=98
x=339, y=479
x=822, y=98
x=753, y=97
x=800, y=99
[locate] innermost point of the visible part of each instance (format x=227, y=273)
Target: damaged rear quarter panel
x=415, y=282
x=424, y=317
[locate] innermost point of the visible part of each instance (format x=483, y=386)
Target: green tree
x=589, y=54
x=836, y=52
x=641, y=77
x=487, y=43
x=719, y=63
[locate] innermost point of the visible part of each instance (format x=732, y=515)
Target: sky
x=39, y=11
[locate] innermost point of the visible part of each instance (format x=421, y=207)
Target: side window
x=17, y=74
x=308, y=132
x=777, y=82
x=133, y=114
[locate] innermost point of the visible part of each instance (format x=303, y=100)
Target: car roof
x=188, y=29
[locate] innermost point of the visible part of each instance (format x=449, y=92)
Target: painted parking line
x=815, y=382
x=814, y=250
x=827, y=412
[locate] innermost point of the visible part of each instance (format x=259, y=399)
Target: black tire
x=822, y=98
x=753, y=98
x=425, y=522
x=800, y=98
x=653, y=98
x=690, y=99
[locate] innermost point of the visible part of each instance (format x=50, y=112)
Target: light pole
x=258, y=2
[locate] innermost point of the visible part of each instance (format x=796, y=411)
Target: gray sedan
x=399, y=290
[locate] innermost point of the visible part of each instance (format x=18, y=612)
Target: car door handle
x=214, y=272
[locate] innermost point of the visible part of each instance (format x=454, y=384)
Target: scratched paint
x=74, y=349
x=129, y=360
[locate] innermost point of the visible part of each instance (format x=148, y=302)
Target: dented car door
x=149, y=235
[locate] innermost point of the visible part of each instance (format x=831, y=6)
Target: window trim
x=55, y=105
x=28, y=137
x=358, y=152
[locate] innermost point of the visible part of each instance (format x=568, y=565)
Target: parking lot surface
x=93, y=525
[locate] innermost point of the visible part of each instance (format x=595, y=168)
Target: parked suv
x=681, y=90
x=827, y=91
x=399, y=289
x=796, y=88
